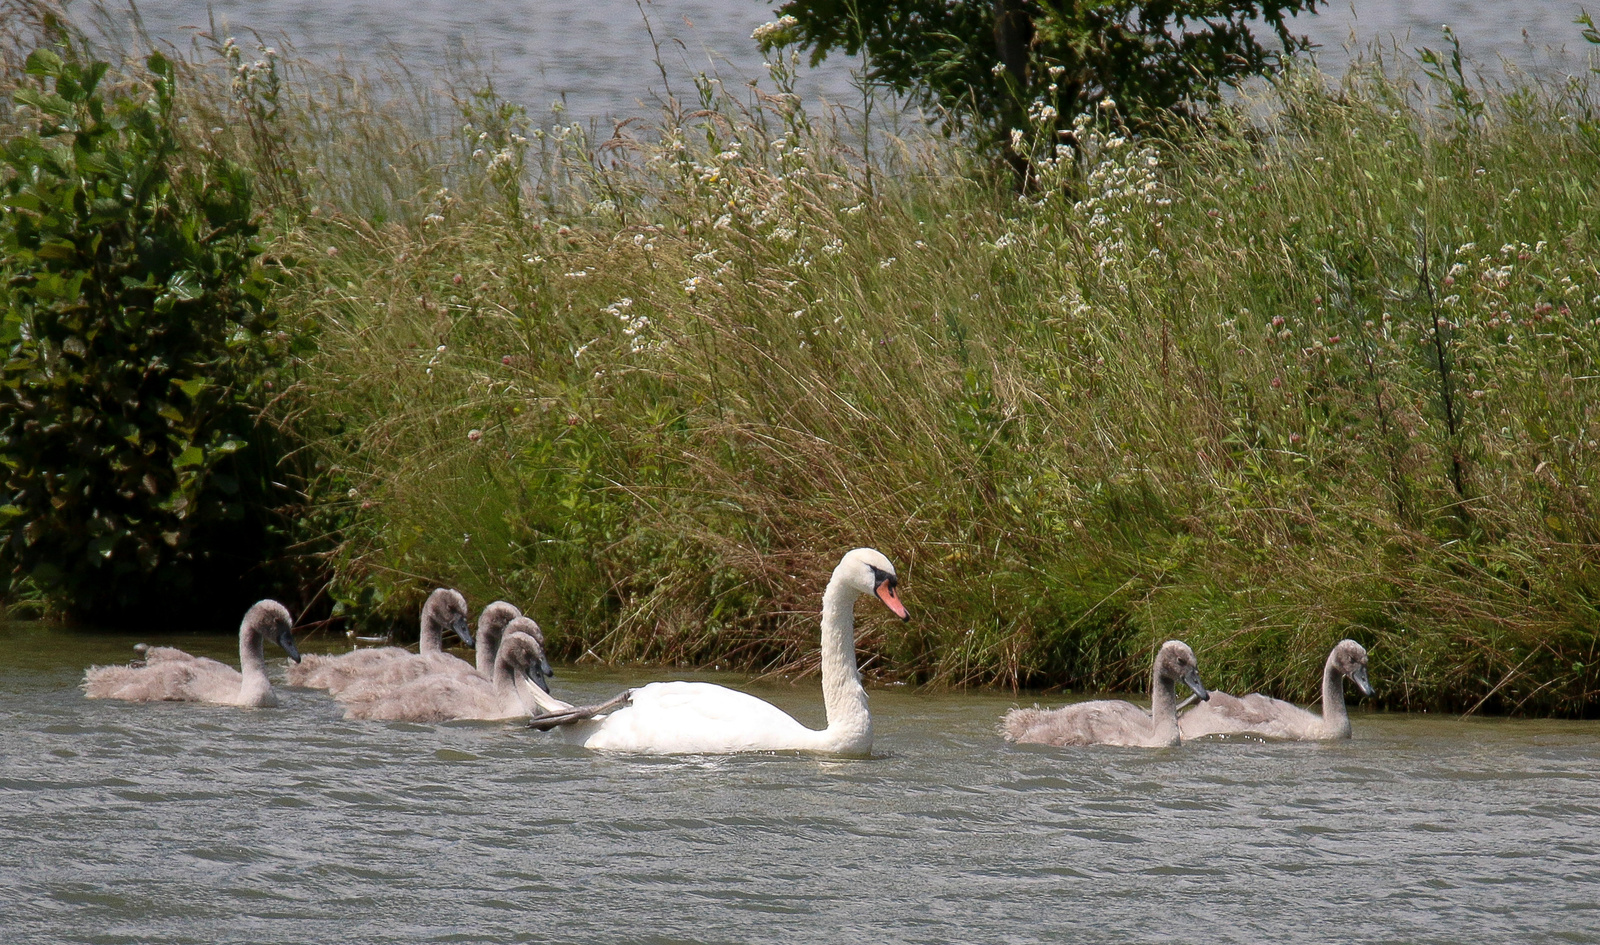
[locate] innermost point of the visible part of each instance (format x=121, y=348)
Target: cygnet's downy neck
x=435, y=621
x=432, y=633
x=849, y=722
x=505, y=672
x=1163, y=704
x=252, y=665
x=491, y=629
x=520, y=656
x=1335, y=717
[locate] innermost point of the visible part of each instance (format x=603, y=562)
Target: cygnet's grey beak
x=459, y=625
x=1192, y=680
x=1359, y=677
x=535, y=674
x=544, y=667
x=286, y=640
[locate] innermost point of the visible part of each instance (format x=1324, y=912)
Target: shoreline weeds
x=1321, y=369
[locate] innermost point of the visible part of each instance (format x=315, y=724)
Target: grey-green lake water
x=172, y=823
x=600, y=60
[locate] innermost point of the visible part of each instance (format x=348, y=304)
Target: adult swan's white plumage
x=699, y=718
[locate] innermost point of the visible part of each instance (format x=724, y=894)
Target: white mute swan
x=442, y=697
x=172, y=675
x=700, y=718
x=1112, y=721
x=1267, y=717
x=444, y=609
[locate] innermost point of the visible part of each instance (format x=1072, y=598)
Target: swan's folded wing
x=689, y=717
x=322, y=670
x=1120, y=712
x=1115, y=722
x=708, y=704
x=379, y=678
x=163, y=681
x=157, y=654
x=440, y=698
x=1254, y=714
x=1257, y=709
x=1104, y=721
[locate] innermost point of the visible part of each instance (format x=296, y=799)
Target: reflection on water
x=181, y=823
x=600, y=58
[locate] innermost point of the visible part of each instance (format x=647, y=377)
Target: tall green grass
x=1324, y=367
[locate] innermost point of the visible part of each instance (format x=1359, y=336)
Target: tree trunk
x=1013, y=35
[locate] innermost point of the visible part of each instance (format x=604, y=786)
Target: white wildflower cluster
x=255, y=83
x=1124, y=191
x=646, y=240
x=434, y=357
x=1042, y=115
x=1509, y=287
x=779, y=32
x=501, y=161
x=634, y=327
x=762, y=187
x=1501, y=315
x=720, y=184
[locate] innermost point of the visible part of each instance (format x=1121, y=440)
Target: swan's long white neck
x=849, y=724
x=1163, y=706
x=256, y=687
x=1335, y=717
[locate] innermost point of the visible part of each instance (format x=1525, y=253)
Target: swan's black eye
x=881, y=577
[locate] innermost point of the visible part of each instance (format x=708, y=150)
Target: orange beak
x=891, y=599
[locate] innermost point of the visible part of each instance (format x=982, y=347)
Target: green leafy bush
x=998, y=65
x=135, y=325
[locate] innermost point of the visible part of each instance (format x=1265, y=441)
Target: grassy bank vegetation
x=1324, y=367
